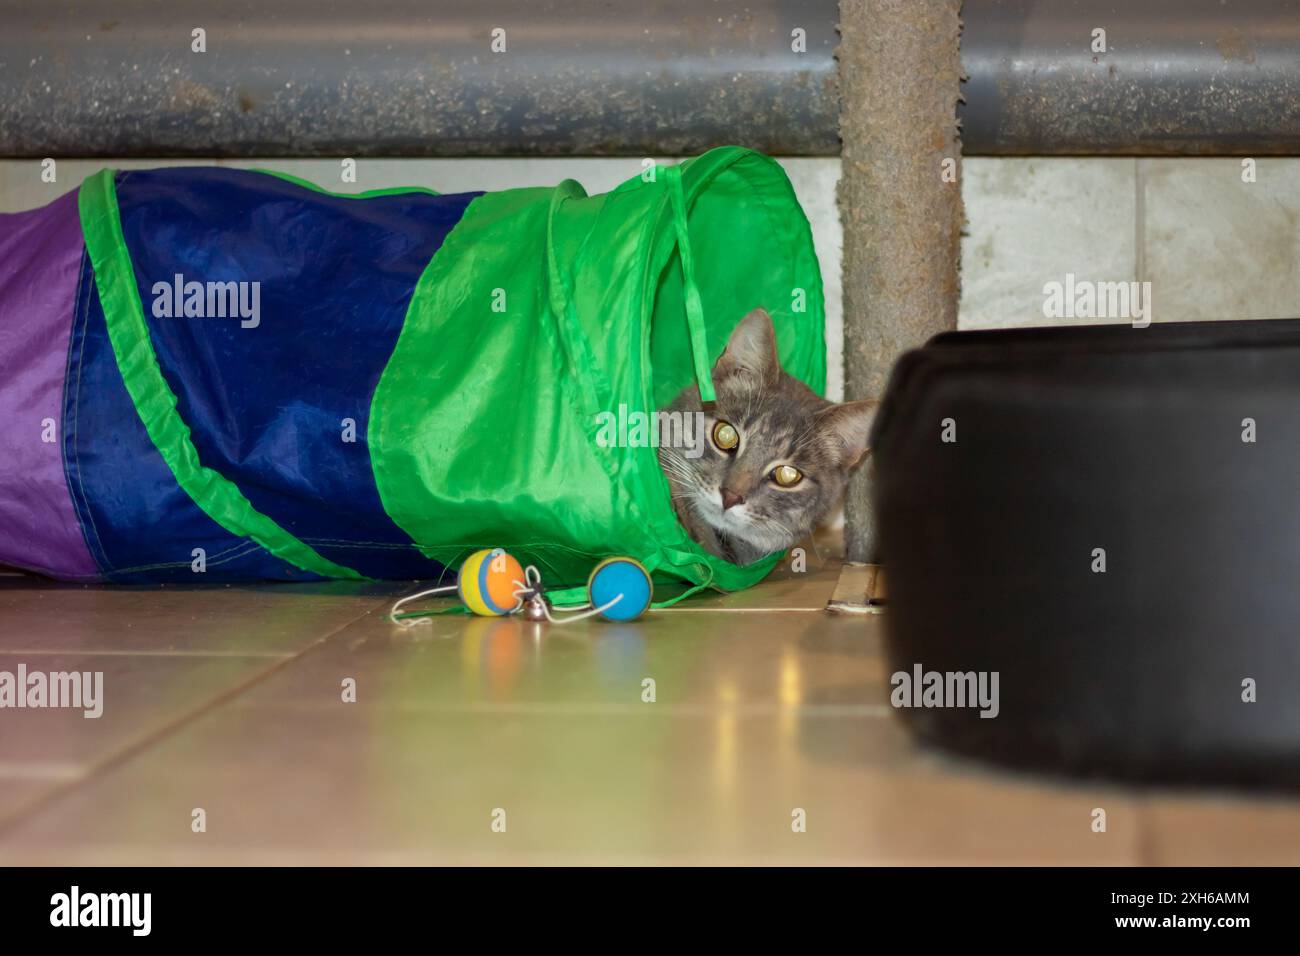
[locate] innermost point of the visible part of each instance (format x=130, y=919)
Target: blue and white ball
x=624, y=582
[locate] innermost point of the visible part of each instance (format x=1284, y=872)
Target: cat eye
x=787, y=476
x=725, y=436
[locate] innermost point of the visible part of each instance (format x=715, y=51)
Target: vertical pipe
x=899, y=198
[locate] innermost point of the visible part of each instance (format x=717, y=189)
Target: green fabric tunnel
x=485, y=427
x=472, y=346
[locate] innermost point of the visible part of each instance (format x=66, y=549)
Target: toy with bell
x=492, y=583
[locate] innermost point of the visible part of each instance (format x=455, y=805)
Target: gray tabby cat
x=777, y=457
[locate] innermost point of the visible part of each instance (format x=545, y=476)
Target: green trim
x=368, y=194
x=154, y=400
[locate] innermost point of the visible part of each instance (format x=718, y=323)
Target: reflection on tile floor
x=765, y=709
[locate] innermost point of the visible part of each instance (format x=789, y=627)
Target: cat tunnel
x=245, y=375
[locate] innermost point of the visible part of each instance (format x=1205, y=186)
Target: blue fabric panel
x=139, y=524
x=281, y=407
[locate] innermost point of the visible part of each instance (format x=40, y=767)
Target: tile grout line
x=45, y=799
x=544, y=710
x=1139, y=221
x=1147, y=854
x=85, y=652
x=678, y=609
x=12, y=770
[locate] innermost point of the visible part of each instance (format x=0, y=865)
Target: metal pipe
x=405, y=78
x=591, y=77
x=1177, y=77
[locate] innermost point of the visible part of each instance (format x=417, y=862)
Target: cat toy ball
x=621, y=588
x=492, y=583
x=488, y=582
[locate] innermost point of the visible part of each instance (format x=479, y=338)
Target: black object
x=1130, y=440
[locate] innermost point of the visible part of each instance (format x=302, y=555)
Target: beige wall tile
x=1031, y=221
x=1218, y=248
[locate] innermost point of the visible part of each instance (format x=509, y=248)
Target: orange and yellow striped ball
x=488, y=581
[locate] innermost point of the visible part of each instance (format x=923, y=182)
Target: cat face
x=777, y=457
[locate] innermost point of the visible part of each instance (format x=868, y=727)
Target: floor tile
x=47, y=617
x=786, y=589
x=21, y=787
x=142, y=695
x=758, y=714
x=1222, y=830
x=652, y=786
x=750, y=724
x=698, y=662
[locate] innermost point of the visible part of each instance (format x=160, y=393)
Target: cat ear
x=751, y=348
x=848, y=428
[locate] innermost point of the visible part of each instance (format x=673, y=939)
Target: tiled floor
x=229, y=700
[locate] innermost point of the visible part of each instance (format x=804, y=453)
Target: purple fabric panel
x=40, y=262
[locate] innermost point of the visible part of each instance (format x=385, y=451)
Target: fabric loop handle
x=592, y=386
x=691, y=292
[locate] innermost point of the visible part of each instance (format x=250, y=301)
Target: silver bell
x=534, y=608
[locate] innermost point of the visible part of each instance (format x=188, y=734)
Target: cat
x=776, y=458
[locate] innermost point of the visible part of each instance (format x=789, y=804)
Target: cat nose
x=731, y=499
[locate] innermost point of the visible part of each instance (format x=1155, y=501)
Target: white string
x=523, y=589
x=414, y=621
x=585, y=614
x=533, y=577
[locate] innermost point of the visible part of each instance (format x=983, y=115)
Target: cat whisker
x=816, y=550
x=808, y=429
x=689, y=481
x=787, y=533
x=685, y=478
